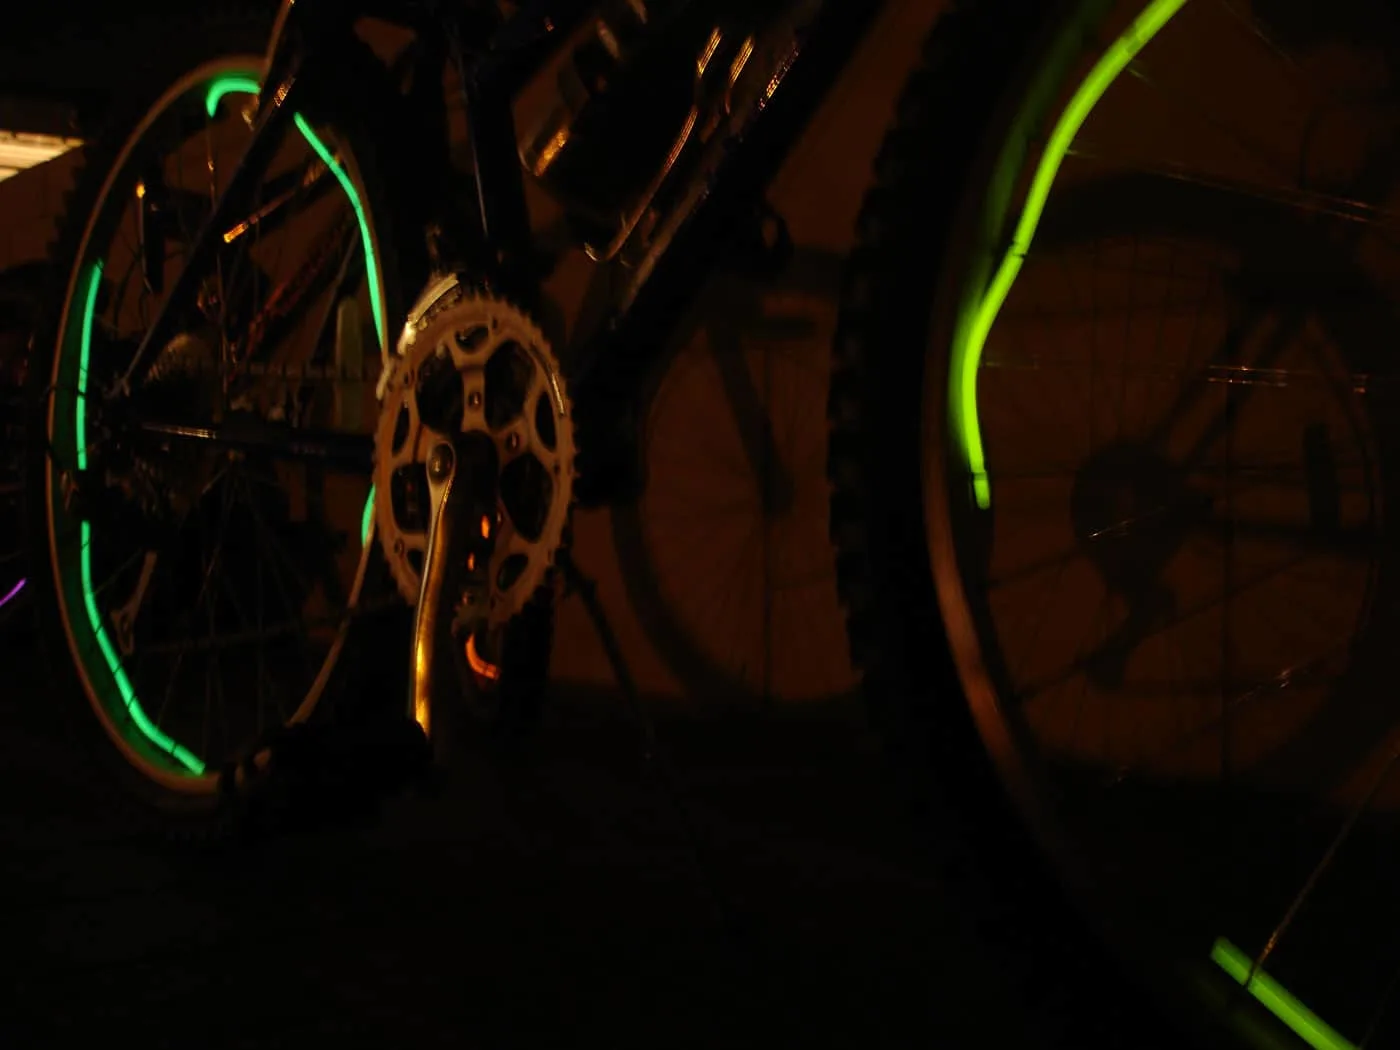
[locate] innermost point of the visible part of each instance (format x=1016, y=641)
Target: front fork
x=462, y=483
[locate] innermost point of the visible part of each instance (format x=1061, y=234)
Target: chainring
x=470, y=361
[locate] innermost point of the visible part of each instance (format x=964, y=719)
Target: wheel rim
x=973, y=488
x=114, y=676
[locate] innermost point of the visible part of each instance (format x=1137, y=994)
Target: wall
x=29, y=207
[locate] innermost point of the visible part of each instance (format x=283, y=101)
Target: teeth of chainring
x=461, y=333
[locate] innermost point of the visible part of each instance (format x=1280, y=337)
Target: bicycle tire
x=989, y=71
x=195, y=41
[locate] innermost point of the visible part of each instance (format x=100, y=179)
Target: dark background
x=59, y=62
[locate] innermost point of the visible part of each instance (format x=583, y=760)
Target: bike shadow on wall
x=724, y=555
x=1296, y=558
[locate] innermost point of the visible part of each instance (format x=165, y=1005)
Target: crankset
x=474, y=476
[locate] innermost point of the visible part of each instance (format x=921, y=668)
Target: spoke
x=116, y=573
x=269, y=632
x=1178, y=665
x=180, y=217
x=124, y=618
x=1196, y=362
x=119, y=289
x=350, y=255
x=1292, y=198
x=1326, y=862
x=220, y=702
x=1387, y=997
x=262, y=653
x=715, y=595
x=1099, y=629
x=751, y=419
x=275, y=546
x=1080, y=665
x=734, y=583
x=189, y=209
x=1227, y=574
x=1313, y=672
x=248, y=432
x=1127, y=346
x=131, y=248
x=1252, y=26
x=200, y=600
x=278, y=553
x=169, y=693
x=1092, y=414
x=212, y=561
x=1162, y=314
x=1205, y=114
x=699, y=519
x=1362, y=544
x=325, y=549
x=1289, y=325
x=1060, y=559
x=1041, y=620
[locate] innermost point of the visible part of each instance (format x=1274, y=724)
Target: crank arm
x=461, y=536
x=244, y=432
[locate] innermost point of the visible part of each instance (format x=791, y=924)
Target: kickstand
x=652, y=752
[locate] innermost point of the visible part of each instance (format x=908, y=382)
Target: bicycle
x=438, y=471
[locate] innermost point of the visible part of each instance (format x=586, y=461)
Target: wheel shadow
x=724, y=555
x=1284, y=264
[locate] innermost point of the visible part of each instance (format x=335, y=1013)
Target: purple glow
x=14, y=591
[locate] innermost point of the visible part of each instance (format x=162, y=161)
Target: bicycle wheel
x=1114, y=506
x=204, y=598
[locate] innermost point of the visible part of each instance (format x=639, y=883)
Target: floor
x=549, y=897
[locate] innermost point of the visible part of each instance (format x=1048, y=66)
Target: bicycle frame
x=306, y=69
x=315, y=66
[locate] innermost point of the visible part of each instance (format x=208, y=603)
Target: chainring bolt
x=440, y=462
